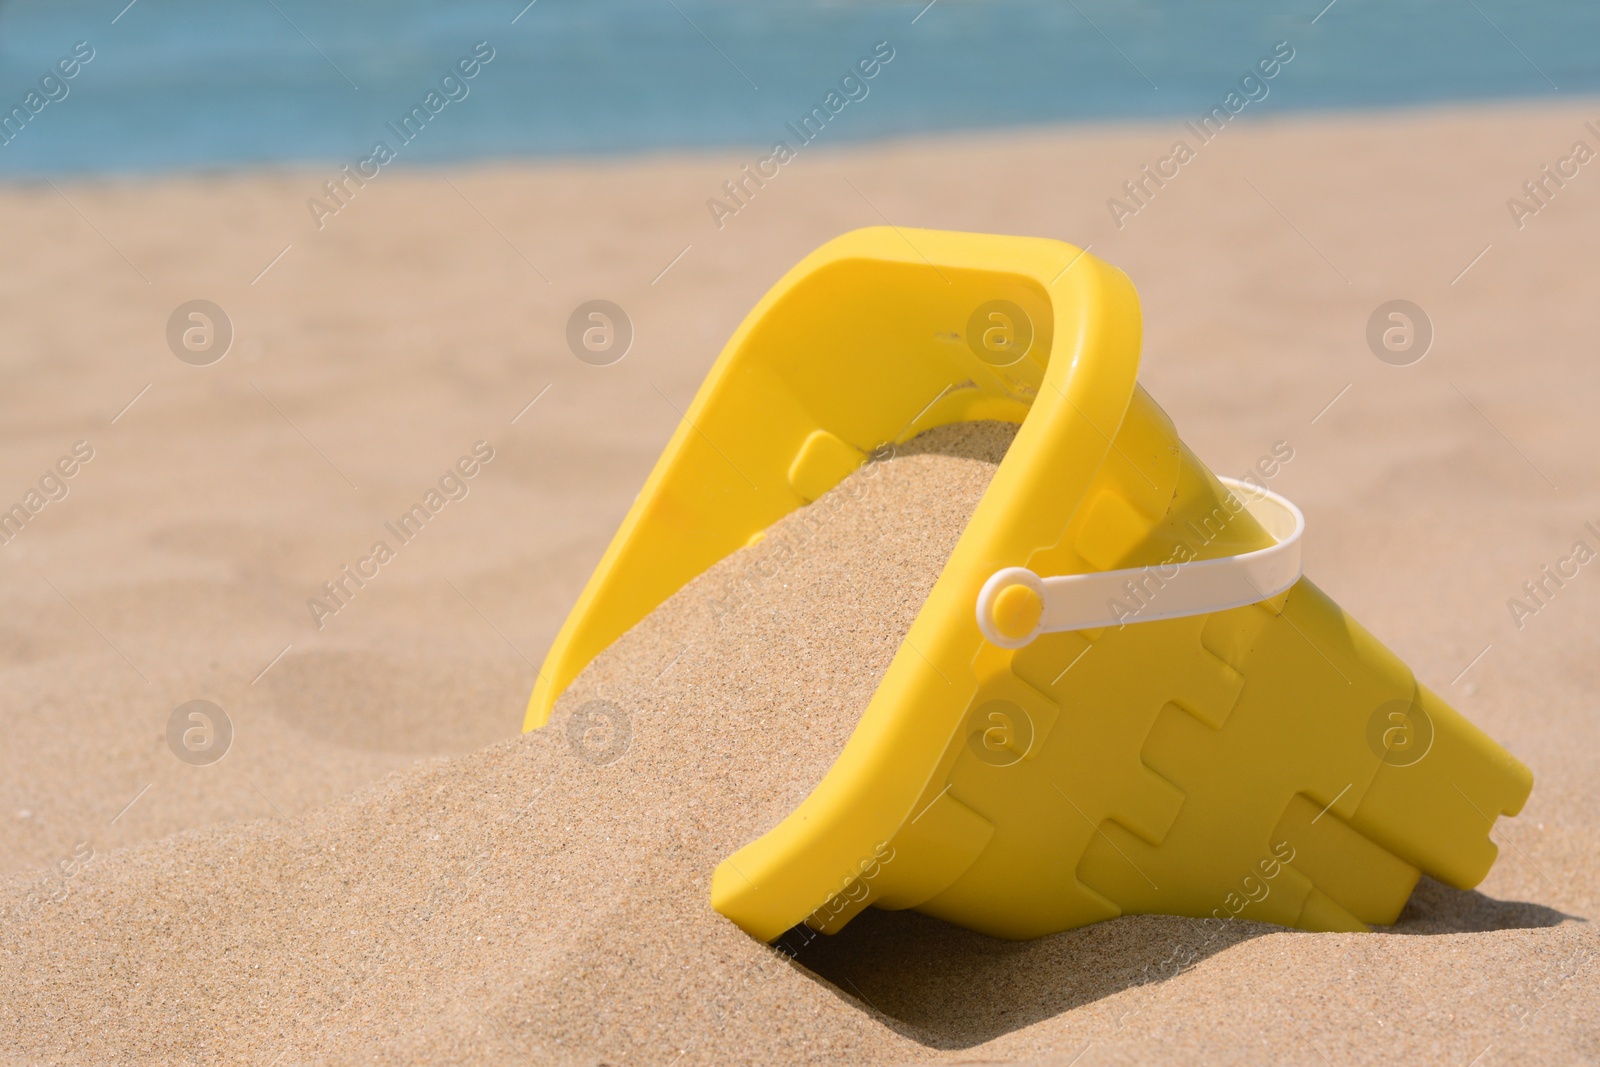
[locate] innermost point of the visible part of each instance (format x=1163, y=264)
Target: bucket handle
x=1016, y=605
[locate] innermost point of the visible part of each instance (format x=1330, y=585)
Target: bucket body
x=1271, y=762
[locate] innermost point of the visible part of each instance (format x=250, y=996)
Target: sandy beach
x=382, y=867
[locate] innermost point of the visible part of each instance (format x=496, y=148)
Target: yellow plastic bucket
x=1203, y=733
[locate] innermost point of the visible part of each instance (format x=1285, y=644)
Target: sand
x=549, y=893
x=372, y=355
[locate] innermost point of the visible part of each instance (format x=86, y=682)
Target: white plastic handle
x=1169, y=590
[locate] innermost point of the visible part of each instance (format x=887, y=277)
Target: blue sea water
x=205, y=84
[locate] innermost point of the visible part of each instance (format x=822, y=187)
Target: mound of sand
x=544, y=899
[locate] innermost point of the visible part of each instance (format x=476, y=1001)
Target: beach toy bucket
x=1120, y=697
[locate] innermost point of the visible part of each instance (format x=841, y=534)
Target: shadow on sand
x=950, y=988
